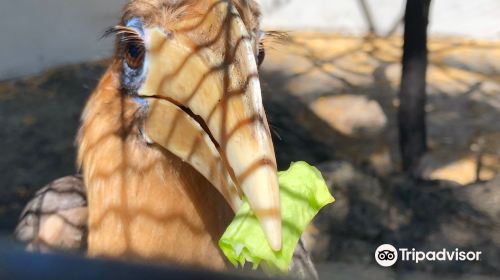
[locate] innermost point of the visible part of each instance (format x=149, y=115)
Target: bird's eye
x=134, y=54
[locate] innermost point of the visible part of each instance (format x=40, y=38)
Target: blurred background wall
x=474, y=19
x=36, y=35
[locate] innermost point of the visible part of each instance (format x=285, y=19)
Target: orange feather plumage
x=144, y=202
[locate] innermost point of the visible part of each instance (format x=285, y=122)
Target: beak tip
x=272, y=230
x=277, y=246
x=262, y=191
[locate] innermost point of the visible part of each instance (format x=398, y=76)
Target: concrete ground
x=348, y=271
x=349, y=86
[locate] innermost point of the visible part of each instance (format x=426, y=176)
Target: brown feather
x=186, y=16
x=145, y=203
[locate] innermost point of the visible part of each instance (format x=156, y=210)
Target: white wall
x=344, y=16
x=469, y=18
x=37, y=34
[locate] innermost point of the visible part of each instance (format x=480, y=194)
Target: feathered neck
x=144, y=203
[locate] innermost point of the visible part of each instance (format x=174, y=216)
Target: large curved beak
x=205, y=107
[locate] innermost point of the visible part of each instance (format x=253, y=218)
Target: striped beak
x=205, y=107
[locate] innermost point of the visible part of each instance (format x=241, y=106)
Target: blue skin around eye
x=137, y=24
x=132, y=79
x=143, y=102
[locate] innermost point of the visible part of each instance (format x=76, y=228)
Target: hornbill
x=171, y=140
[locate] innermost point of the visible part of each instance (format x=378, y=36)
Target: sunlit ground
x=351, y=83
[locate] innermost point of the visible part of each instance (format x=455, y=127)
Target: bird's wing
x=56, y=218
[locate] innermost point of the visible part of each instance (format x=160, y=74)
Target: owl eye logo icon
x=386, y=255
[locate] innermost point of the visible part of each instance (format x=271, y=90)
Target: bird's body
x=175, y=134
x=156, y=208
x=146, y=200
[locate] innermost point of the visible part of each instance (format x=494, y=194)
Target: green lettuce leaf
x=303, y=193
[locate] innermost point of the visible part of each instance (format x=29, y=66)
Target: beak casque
x=205, y=107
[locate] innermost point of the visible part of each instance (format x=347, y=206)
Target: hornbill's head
x=192, y=67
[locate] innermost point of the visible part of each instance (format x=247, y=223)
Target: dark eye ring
x=134, y=54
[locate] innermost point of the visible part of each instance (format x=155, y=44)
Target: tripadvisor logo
x=387, y=255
